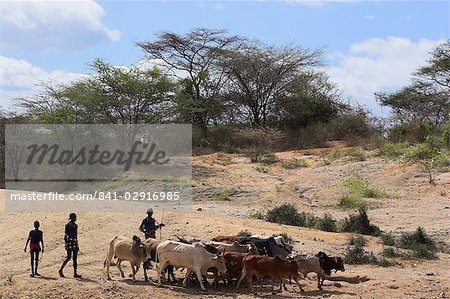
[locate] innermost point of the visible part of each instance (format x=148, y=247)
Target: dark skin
x=34, y=255
x=149, y=216
x=71, y=255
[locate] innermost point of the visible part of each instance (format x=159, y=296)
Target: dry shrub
x=259, y=138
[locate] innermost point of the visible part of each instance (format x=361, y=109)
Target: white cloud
x=61, y=25
x=19, y=78
x=369, y=17
x=377, y=65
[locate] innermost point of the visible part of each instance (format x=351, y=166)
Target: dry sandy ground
x=314, y=189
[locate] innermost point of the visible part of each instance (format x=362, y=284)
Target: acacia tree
x=427, y=98
x=260, y=75
x=115, y=95
x=312, y=98
x=192, y=58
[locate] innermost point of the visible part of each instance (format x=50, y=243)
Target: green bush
x=262, y=156
x=356, y=154
x=420, y=243
x=220, y=195
x=227, y=148
x=390, y=252
x=293, y=163
x=383, y=262
x=360, y=223
x=335, y=154
x=358, y=241
x=285, y=214
x=351, y=201
x=421, y=151
x=387, y=239
x=258, y=214
x=393, y=150
x=355, y=255
x=224, y=160
x=363, y=188
x=269, y=158
x=203, y=142
x=327, y=223
x=262, y=169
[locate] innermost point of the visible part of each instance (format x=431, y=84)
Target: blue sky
x=370, y=45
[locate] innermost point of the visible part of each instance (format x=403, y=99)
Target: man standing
x=149, y=226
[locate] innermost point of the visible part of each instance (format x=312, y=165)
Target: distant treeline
x=238, y=92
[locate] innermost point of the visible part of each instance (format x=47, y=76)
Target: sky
x=370, y=46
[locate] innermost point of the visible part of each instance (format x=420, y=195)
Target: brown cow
x=274, y=267
x=328, y=263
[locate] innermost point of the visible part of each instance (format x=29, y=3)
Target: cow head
x=141, y=248
x=253, y=249
x=219, y=262
x=137, y=243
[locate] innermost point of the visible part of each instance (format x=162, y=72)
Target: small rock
x=337, y=284
x=187, y=222
x=326, y=295
x=446, y=207
x=393, y=286
x=199, y=209
x=430, y=274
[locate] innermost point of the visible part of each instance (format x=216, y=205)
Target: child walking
x=35, y=238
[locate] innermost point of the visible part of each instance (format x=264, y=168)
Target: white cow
x=192, y=257
x=308, y=263
x=234, y=247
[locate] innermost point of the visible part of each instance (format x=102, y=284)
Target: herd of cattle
x=227, y=258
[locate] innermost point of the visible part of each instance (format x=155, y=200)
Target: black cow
x=266, y=246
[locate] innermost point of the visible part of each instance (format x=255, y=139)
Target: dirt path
x=311, y=189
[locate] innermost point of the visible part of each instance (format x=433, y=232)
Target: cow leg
x=186, y=277
x=161, y=268
x=200, y=278
x=119, y=262
x=250, y=281
x=145, y=274
x=170, y=273
x=133, y=270
x=205, y=281
x=108, y=263
x=273, y=283
x=296, y=281
x=283, y=282
x=244, y=273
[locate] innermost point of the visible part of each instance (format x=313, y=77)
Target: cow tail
x=109, y=252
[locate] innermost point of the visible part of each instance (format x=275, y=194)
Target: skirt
x=72, y=245
x=34, y=247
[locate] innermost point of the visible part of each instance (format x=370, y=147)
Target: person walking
x=35, y=238
x=71, y=245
